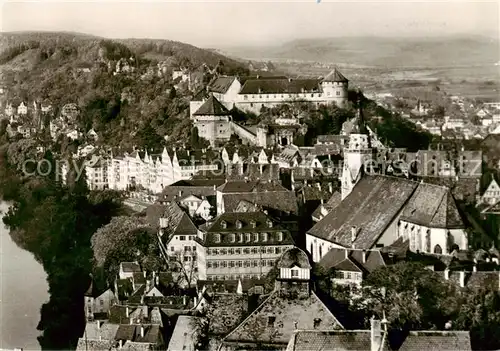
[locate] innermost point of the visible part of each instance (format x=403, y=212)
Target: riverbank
x=23, y=291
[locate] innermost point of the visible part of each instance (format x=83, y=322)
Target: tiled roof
x=332, y=340
x=221, y=84
x=437, y=341
x=370, y=207
x=289, y=314
x=335, y=76
x=432, y=206
x=292, y=257
x=197, y=187
x=178, y=222
x=280, y=86
x=254, y=172
x=246, y=219
x=130, y=267
x=212, y=107
x=348, y=266
x=225, y=312
x=106, y=331
x=132, y=332
x=94, y=345
x=333, y=202
x=335, y=259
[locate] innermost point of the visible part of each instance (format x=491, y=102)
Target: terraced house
x=240, y=245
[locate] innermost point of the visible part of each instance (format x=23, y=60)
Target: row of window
x=247, y=250
x=348, y=275
x=188, y=237
x=247, y=237
x=245, y=97
x=233, y=276
x=240, y=264
x=186, y=248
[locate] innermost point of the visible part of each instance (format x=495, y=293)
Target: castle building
x=269, y=92
x=213, y=121
x=253, y=93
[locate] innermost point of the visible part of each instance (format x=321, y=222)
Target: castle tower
x=335, y=87
x=357, y=154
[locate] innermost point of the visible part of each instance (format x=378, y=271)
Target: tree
x=172, y=94
x=107, y=238
x=412, y=297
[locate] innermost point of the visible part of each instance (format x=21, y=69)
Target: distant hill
x=381, y=52
x=14, y=44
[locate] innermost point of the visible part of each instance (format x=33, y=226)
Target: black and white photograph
x=280, y=175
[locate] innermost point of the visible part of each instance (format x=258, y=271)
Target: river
x=23, y=290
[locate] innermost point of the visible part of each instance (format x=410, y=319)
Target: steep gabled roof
x=280, y=86
x=437, y=341
x=332, y=340
x=335, y=76
x=433, y=206
x=212, y=107
x=289, y=314
x=371, y=207
x=221, y=84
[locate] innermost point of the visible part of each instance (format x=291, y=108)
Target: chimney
x=330, y=188
x=346, y=253
x=157, y=280
x=462, y=279
x=184, y=300
x=98, y=324
x=180, y=193
x=364, y=256
x=126, y=312
x=154, y=278
x=195, y=300
x=376, y=334
x=474, y=267
x=142, y=331
x=446, y=274
x=120, y=344
x=354, y=233
x=144, y=274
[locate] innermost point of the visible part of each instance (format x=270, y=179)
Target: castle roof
x=280, y=86
x=335, y=76
x=212, y=107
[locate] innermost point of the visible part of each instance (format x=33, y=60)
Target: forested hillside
x=123, y=88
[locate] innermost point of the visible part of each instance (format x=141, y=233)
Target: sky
x=239, y=23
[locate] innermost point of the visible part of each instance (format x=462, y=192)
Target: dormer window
x=238, y=224
x=240, y=238
x=248, y=237
x=223, y=224
x=217, y=238
x=269, y=223
x=233, y=238
x=295, y=273
x=256, y=237
x=253, y=224
x=264, y=237
x=280, y=236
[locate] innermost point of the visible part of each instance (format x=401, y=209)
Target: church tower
x=357, y=154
